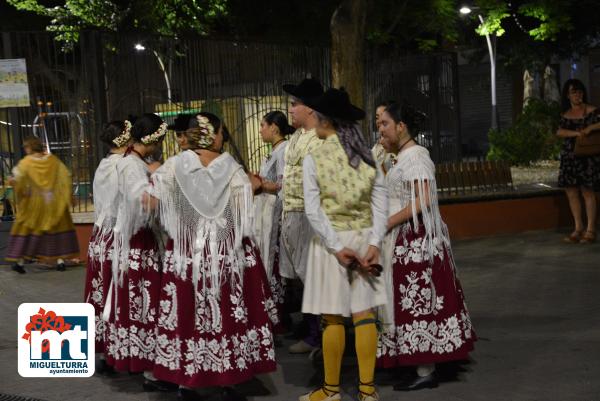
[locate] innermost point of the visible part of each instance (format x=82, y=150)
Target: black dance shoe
x=18, y=268
x=104, y=368
x=416, y=382
x=229, y=394
x=185, y=394
x=159, y=385
x=60, y=267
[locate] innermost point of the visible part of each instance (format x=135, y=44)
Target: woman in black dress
x=579, y=174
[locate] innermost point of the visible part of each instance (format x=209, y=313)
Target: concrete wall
x=472, y=219
x=501, y=217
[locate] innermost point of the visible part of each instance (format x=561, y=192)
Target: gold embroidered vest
x=345, y=191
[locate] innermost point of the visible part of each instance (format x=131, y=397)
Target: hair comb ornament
x=125, y=136
x=155, y=136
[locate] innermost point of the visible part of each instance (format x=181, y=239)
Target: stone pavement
x=534, y=302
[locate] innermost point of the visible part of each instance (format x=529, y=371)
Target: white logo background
x=57, y=367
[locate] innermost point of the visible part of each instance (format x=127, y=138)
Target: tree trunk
x=348, y=25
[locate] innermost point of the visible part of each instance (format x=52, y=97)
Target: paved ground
x=534, y=302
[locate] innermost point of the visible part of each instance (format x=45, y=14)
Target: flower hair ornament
x=155, y=136
x=125, y=136
x=207, y=132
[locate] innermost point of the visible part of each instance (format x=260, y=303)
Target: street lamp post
x=139, y=47
x=492, y=50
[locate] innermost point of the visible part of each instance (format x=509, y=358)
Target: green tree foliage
x=531, y=138
x=163, y=17
x=546, y=19
x=418, y=26
x=534, y=31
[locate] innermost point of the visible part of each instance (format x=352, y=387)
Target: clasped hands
x=585, y=131
x=369, y=264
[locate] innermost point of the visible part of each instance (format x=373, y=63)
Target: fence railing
x=106, y=77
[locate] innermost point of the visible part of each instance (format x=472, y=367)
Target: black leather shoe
x=417, y=383
x=159, y=385
x=103, y=368
x=18, y=268
x=60, y=267
x=184, y=394
x=229, y=394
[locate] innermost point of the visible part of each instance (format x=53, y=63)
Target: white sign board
x=14, y=90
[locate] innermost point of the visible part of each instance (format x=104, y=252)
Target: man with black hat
x=295, y=228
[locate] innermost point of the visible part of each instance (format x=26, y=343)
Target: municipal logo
x=56, y=340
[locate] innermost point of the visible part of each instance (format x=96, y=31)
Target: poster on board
x=14, y=89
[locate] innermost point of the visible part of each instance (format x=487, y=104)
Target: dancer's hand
x=390, y=224
x=255, y=181
x=346, y=256
x=371, y=257
x=153, y=166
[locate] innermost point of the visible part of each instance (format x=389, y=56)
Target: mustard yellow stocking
x=365, y=331
x=334, y=342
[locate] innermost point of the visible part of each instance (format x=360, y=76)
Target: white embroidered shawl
x=133, y=182
x=414, y=172
x=106, y=191
x=206, y=210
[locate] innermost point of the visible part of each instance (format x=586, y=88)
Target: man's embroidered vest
x=345, y=191
x=299, y=145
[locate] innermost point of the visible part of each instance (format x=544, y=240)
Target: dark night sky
x=12, y=19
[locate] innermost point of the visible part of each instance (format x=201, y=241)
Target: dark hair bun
x=281, y=121
x=406, y=113
x=289, y=130
x=110, y=131
x=145, y=125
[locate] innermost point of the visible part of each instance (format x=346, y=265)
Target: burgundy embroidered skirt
x=132, y=324
x=431, y=321
x=214, y=340
x=97, y=279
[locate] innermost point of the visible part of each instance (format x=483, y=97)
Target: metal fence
x=107, y=77
x=430, y=84
x=238, y=81
x=61, y=111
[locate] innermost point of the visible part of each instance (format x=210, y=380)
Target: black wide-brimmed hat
x=335, y=103
x=307, y=90
x=181, y=122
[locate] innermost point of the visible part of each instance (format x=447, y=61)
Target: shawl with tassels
x=206, y=211
x=134, y=181
x=414, y=173
x=106, y=191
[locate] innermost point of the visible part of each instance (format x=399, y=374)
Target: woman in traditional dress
x=274, y=129
x=579, y=175
x=431, y=322
x=43, y=229
x=132, y=301
x=116, y=135
x=346, y=205
x=214, y=327
x=382, y=158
